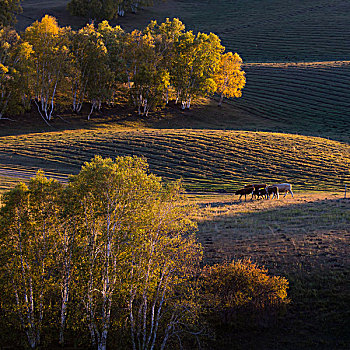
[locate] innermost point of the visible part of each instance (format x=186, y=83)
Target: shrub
x=241, y=291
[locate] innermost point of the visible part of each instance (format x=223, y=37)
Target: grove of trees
x=111, y=260
x=55, y=67
x=105, y=9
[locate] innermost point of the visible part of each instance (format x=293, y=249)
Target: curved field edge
x=207, y=160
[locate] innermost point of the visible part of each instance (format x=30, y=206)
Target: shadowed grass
x=305, y=239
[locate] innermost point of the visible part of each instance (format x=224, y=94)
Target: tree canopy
x=96, y=65
x=112, y=258
x=229, y=77
x=116, y=240
x=8, y=11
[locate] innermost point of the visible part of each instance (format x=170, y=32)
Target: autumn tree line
x=110, y=260
x=53, y=67
x=95, y=10
x=106, y=9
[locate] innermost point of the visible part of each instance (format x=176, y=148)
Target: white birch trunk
x=221, y=99
x=93, y=105
x=188, y=105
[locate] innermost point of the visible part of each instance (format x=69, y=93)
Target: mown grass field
x=312, y=99
x=260, y=31
x=205, y=159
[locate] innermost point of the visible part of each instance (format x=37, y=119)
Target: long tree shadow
x=310, y=234
x=308, y=244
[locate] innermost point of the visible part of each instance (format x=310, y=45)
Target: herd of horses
x=263, y=191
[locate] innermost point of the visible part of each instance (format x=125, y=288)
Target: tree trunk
x=188, y=103
x=221, y=99
x=64, y=312
x=93, y=105
x=102, y=343
x=167, y=96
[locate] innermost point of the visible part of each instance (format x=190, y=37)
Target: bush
x=241, y=291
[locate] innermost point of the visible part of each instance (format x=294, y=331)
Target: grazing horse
x=257, y=188
x=260, y=192
x=273, y=190
x=287, y=188
x=244, y=191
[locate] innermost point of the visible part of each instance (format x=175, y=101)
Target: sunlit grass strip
x=206, y=160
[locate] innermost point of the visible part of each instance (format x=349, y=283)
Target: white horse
x=287, y=188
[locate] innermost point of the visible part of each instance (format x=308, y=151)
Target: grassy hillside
x=260, y=30
x=312, y=99
x=205, y=159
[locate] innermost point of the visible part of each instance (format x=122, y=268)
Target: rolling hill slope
x=260, y=31
x=313, y=99
x=205, y=159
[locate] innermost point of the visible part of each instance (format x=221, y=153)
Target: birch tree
x=229, y=77
x=105, y=9
x=29, y=217
x=195, y=62
x=15, y=71
x=90, y=68
x=94, y=10
x=132, y=5
x=65, y=248
x=113, y=39
x=136, y=255
x=111, y=194
x=51, y=52
x=146, y=78
x=165, y=35
x=162, y=301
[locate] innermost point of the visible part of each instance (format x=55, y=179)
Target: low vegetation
x=241, y=292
